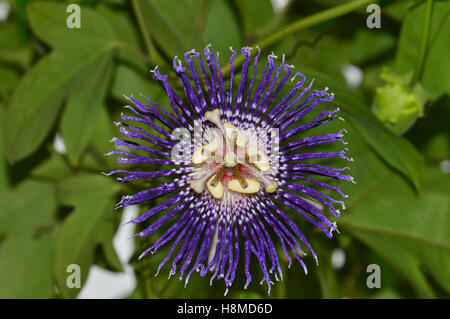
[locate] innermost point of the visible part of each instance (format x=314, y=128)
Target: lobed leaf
x=38, y=98
x=26, y=234
x=83, y=230
x=436, y=69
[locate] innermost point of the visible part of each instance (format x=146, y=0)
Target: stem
x=152, y=52
x=275, y=22
x=324, y=287
x=202, y=15
x=423, y=44
x=307, y=22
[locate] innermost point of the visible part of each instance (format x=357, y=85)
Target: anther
x=202, y=153
x=258, y=158
x=253, y=186
x=216, y=190
x=214, y=117
x=269, y=185
x=234, y=134
x=198, y=185
x=218, y=177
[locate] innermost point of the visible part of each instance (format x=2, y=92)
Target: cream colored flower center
x=230, y=163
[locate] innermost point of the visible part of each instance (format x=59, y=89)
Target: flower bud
x=396, y=104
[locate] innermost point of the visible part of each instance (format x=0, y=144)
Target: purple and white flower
x=245, y=157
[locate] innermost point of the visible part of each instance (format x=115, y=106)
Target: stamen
x=198, y=185
x=270, y=185
x=218, y=177
x=234, y=134
x=240, y=178
x=253, y=186
x=216, y=190
x=214, y=117
x=202, y=153
x=258, y=158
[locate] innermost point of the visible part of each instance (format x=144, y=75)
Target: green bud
x=396, y=104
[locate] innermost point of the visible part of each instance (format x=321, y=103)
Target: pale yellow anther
x=233, y=132
x=253, y=186
x=272, y=187
x=214, y=117
x=198, y=185
x=258, y=158
x=202, y=153
x=216, y=190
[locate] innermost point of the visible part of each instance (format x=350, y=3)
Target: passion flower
x=242, y=161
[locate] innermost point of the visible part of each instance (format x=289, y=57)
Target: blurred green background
x=61, y=86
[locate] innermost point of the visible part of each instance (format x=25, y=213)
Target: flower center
x=230, y=164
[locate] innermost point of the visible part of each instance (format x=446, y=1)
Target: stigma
x=230, y=163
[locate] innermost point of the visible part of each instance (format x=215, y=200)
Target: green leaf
x=409, y=230
x=124, y=28
x=20, y=57
x=171, y=24
x=106, y=239
x=396, y=151
x=37, y=99
x=25, y=267
x=10, y=77
x=436, y=69
x=365, y=46
x=48, y=21
x=104, y=131
x=19, y=212
x=255, y=13
x=25, y=254
x=82, y=231
x=4, y=179
x=54, y=168
x=126, y=31
x=83, y=108
x=11, y=37
x=34, y=106
x=127, y=81
x=431, y=135
x=220, y=14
